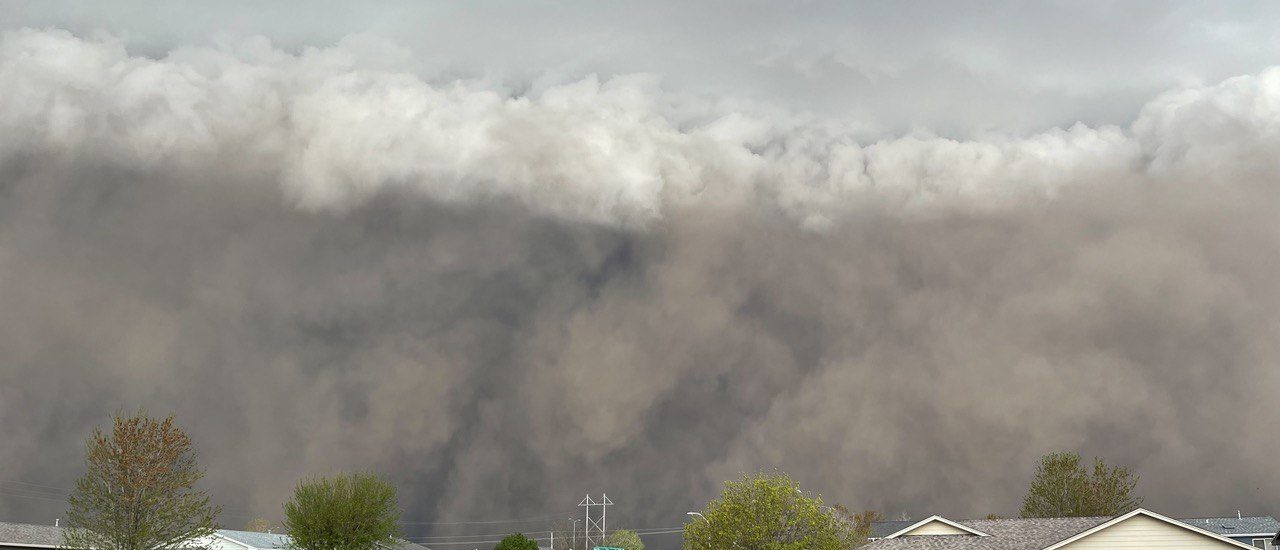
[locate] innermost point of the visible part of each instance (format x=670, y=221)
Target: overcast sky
x=900, y=66
x=509, y=253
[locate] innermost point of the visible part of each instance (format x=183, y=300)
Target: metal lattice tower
x=594, y=528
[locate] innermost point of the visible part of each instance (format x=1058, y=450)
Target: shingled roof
x=256, y=539
x=29, y=534
x=1006, y=534
x=882, y=529
x=34, y=535
x=276, y=541
x=1237, y=526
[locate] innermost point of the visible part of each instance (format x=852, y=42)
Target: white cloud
x=337, y=126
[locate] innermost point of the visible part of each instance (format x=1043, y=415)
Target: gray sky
x=509, y=254
x=900, y=66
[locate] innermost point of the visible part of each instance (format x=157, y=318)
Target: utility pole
x=575, y=533
x=594, y=530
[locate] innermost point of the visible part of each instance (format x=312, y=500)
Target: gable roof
x=1005, y=534
x=1152, y=515
x=882, y=529
x=935, y=519
x=1236, y=526
x=30, y=534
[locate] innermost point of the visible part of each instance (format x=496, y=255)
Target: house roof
x=882, y=529
x=30, y=534
x=35, y=535
x=1006, y=534
x=1237, y=526
x=268, y=541
x=256, y=539
x=914, y=527
x=1049, y=533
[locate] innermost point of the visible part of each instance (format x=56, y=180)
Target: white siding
x=1146, y=532
x=936, y=527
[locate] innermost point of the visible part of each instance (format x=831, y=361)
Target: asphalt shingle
x=1248, y=525
x=882, y=529
x=269, y=541
x=17, y=534
x=1006, y=534
x=256, y=539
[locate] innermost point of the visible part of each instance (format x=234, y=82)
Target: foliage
x=767, y=512
x=1063, y=487
x=625, y=539
x=563, y=530
x=138, y=492
x=260, y=525
x=517, y=542
x=348, y=512
x=862, y=523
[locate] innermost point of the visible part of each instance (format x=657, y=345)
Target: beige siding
x=1145, y=532
x=936, y=527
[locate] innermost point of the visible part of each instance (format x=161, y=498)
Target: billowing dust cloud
x=502, y=299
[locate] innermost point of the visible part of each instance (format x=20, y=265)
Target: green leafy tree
x=348, y=512
x=768, y=512
x=517, y=542
x=625, y=539
x=138, y=492
x=1065, y=487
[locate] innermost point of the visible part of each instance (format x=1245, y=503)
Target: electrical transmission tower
x=594, y=527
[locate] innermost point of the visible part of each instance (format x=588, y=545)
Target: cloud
x=336, y=131
x=503, y=299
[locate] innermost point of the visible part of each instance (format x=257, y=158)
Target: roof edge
x=924, y=521
x=1150, y=514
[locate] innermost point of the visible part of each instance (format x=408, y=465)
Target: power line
x=27, y=491
x=63, y=489
x=667, y=532
x=45, y=497
x=470, y=536
x=485, y=522
x=638, y=531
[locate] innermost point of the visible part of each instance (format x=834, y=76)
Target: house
x=29, y=535
x=228, y=539
x=1140, y=528
x=14, y=536
x=882, y=529
x=1256, y=531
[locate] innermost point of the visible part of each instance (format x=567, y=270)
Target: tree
x=348, y=512
x=563, y=531
x=625, y=539
x=767, y=512
x=260, y=525
x=517, y=542
x=138, y=492
x=1063, y=487
x=862, y=523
